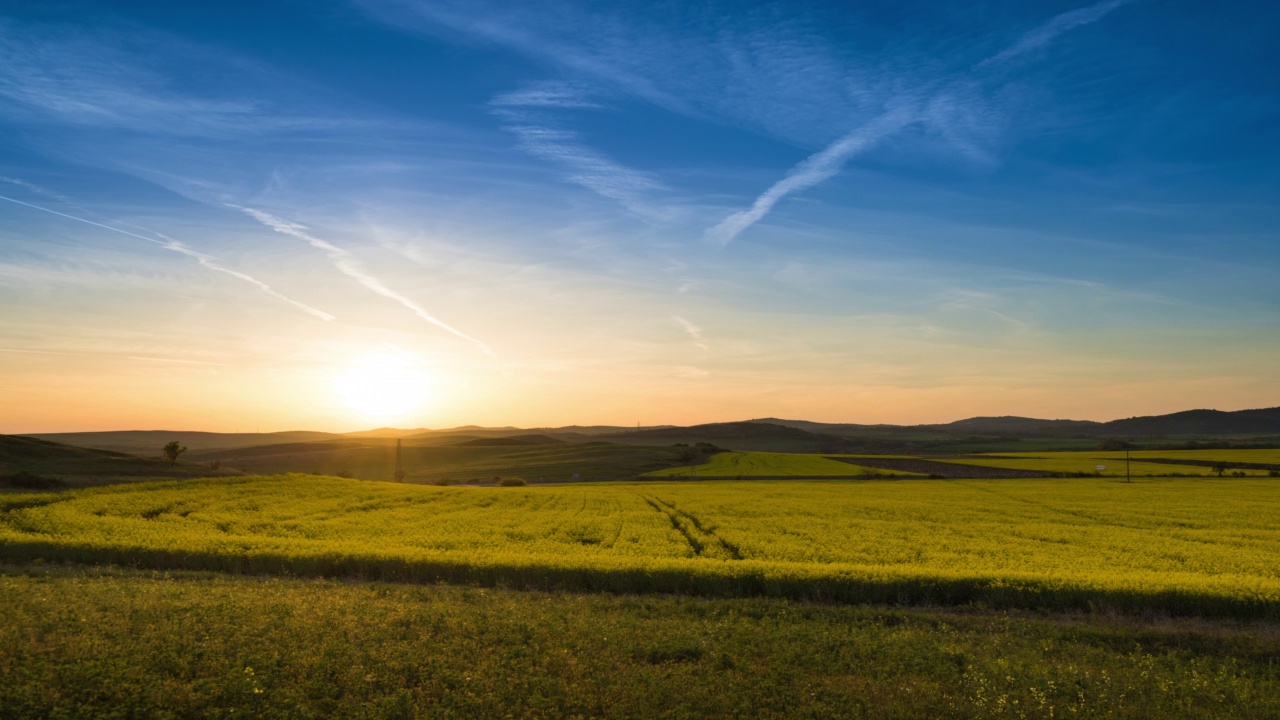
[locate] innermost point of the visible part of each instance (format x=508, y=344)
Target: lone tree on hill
x=172, y=451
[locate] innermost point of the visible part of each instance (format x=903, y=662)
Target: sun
x=384, y=385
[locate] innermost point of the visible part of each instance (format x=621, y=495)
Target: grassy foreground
x=129, y=644
x=1188, y=547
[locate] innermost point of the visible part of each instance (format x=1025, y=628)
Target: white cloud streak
x=547, y=95
x=348, y=266
x=1060, y=24
x=45, y=192
x=814, y=170
x=695, y=332
x=826, y=164
x=206, y=261
x=524, y=115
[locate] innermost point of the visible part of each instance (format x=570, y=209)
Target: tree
x=1219, y=468
x=172, y=451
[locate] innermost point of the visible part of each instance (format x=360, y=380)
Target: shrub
x=511, y=482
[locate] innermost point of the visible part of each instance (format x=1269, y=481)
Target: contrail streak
x=207, y=261
x=1056, y=26
x=824, y=165
x=346, y=265
x=813, y=170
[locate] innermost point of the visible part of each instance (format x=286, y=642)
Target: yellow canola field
x=1183, y=545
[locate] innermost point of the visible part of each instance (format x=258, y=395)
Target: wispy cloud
x=348, y=266
x=37, y=190
x=524, y=114
x=814, y=170
x=519, y=28
x=547, y=95
x=100, y=80
x=695, y=332
x=938, y=113
x=207, y=261
x=1043, y=35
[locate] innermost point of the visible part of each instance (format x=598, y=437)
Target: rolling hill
x=1199, y=422
x=751, y=435
x=149, y=442
x=85, y=466
x=555, y=461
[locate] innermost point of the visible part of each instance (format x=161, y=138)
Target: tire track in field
x=622, y=520
x=694, y=544
x=678, y=518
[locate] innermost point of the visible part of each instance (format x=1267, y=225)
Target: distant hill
x=1013, y=425
x=429, y=462
x=1188, y=423
x=1199, y=422
x=823, y=428
x=149, y=442
x=510, y=441
x=79, y=466
x=387, y=432
x=976, y=434
x=737, y=436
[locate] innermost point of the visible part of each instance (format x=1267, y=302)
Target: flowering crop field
x=1186, y=546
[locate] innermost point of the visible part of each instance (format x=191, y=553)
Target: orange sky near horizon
x=44, y=393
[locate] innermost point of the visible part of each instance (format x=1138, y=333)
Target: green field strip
x=774, y=465
x=1263, y=456
x=1088, y=465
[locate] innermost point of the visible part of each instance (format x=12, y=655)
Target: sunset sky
x=336, y=215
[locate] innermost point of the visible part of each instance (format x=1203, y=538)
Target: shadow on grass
x=708, y=579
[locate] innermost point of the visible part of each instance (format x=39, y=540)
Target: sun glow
x=385, y=385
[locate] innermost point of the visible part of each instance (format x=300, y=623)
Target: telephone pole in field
x=399, y=472
x=1127, y=477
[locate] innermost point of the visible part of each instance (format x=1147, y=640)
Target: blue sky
x=583, y=212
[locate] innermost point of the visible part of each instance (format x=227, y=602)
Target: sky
x=341, y=214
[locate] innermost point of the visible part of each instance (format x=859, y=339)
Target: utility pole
x=399, y=472
x=1127, y=477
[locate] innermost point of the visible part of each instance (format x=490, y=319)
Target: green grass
x=1198, y=547
x=1088, y=463
x=1265, y=457
x=771, y=464
x=121, y=644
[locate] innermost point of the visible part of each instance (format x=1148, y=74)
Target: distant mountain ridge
x=756, y=434
x=1188, y=422
x=1200, y=422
